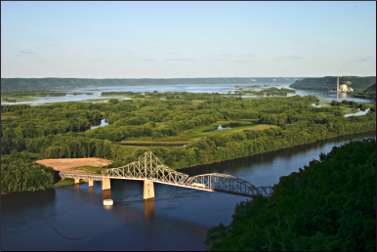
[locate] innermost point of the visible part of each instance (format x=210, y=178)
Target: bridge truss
x=149, y=167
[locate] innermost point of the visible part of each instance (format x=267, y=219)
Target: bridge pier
x=148, y=189
x=106, y=185
x=90, y=182
x=77, y=181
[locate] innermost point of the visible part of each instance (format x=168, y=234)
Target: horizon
x=168, y=40
x=152, y=78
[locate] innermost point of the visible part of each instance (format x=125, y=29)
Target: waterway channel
x=73, y=217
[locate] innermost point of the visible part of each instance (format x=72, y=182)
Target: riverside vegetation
x=180, y=128
x=328, y=205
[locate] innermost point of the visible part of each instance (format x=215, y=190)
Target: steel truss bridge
x=149, y=167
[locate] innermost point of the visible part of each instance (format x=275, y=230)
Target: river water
x=73, y=217
x=95, y=93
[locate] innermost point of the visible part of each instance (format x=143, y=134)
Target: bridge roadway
x=94, y=177
x=149, y=169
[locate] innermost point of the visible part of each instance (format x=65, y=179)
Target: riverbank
x=310, y=207
x=65, y=182
x=218, y=166
x=186, y=215
x=209, y=167
x=248, y=127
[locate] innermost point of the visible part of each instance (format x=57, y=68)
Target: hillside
x=371, y=90
x=329, y=83
x=329, y=205
x=369, y=93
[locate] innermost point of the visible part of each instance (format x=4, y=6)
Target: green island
x=329, y=205
x=182, y=129
x=272, y=91
x=18, y=96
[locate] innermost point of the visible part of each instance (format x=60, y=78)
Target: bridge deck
x=100, y=177
x=149, y=167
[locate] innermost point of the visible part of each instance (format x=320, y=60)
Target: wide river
x=73, y=218
x=95, y=93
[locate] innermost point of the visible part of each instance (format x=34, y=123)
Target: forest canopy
x=328, y=205
x=182, y=129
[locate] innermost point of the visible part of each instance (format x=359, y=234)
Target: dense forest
x=182, y=129
x=328, y=205
x=329, y=83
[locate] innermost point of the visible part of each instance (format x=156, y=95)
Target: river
x=73, y=217
x=95, y=93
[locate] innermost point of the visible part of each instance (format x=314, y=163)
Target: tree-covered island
x=182, y=129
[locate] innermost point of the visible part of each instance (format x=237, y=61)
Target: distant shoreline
x=192, y=170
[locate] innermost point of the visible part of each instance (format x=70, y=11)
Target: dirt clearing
x=66, y=164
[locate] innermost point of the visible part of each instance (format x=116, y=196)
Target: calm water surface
x=94, y=93
x=73, y=218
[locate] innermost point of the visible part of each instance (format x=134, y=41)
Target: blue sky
x=187, y=39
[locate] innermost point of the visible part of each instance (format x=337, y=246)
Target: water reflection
x=358, y=113
x=95, y=93
x=20, y=201
x=148, y=210
x=76, y=187
x=73, y=218
x=106, y=194
x=103, y=123
x=290, y=154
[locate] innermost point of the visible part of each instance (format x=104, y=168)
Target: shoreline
x=198, y=169
x=191, y=170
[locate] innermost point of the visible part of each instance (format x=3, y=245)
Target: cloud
x=180, y=59
x=148, y=60
x=250, y=55
x=243, y=58
x=290, y=57
x=26, y=52
x=362, y=59
x=241, y=61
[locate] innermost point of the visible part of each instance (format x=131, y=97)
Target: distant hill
x=371, y=90
x=329, y=83
x=368, y=93
x=39, y=84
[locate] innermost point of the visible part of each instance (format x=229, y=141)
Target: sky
x=187, y=39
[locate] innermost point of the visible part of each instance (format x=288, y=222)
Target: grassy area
x=116, y=93
x=90, y=169
x=153, y=143
x=273, y=91
x=227, y=132
x=29, y=95
x=166, y=141
x=213, y=131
